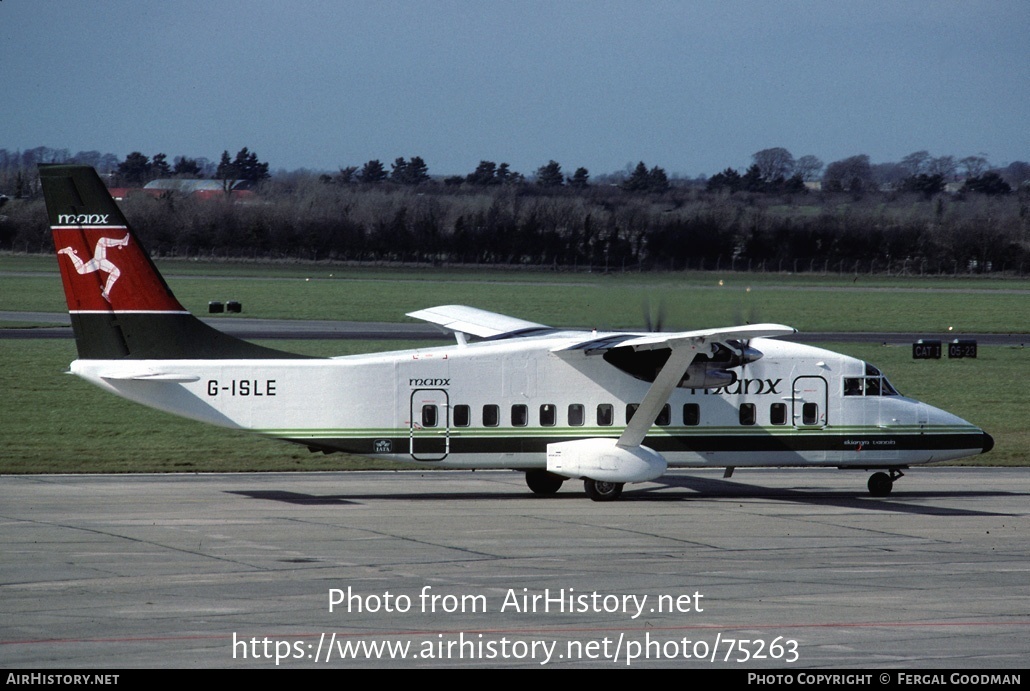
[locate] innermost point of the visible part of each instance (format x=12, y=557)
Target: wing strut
x=665, y=383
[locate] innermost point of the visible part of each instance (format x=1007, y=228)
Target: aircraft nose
x=988, y=443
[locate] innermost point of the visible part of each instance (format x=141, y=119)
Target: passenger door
x=810, y=413
x=429, y=425
x=809, y=402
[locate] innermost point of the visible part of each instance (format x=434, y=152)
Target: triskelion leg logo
x=99, y=262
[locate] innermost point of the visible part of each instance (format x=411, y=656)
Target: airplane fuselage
x=498, y=404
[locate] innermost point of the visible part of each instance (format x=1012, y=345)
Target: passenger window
x=810, y=414
x=576, y=414
x=462, y=416
x=747, y=413
x=691, y=414
x=519, y=415
x=664, y=417
x=631, y=408
x=429, y=417
x=491, y=415
x=605, y=414
x=548, y=415
x=778, y=413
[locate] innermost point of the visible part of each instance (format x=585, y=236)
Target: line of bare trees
x=643, y=221
x=602, y=227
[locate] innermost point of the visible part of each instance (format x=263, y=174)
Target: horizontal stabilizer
x=150, y=376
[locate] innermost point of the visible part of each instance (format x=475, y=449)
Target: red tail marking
x=104, y=269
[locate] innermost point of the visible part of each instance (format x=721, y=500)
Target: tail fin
x=120, y=306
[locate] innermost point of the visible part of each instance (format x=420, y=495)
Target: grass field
x=689, y=300
x=52, y=422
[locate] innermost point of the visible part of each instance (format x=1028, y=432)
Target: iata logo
x=99, y=262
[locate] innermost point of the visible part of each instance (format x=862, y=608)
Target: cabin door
x=810, y=403
x=430, y=425
x=810, y=411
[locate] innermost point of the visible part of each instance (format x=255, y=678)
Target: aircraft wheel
x=603, y=491
x=543, y=482
x=880, y=484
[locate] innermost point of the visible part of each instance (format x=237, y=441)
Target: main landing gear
x=603, y=491
x=543, y=483
x=881, y=484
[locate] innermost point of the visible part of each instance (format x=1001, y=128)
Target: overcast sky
x=693, y=86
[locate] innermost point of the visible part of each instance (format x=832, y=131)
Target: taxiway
x=239, y=570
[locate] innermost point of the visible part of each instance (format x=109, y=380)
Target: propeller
x=659, y=321
x=748, y=314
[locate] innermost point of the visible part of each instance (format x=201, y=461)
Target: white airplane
x=608, y=408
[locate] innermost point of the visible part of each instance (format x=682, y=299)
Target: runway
x=789, y=569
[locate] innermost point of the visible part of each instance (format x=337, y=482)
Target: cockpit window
x=873, y=384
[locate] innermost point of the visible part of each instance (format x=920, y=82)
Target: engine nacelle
x=601, y=459
x=707, y=375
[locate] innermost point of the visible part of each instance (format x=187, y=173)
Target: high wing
x=469, y=320
x=486, y=324
x=685, y=347
x=698, y=359
x=654, y=341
